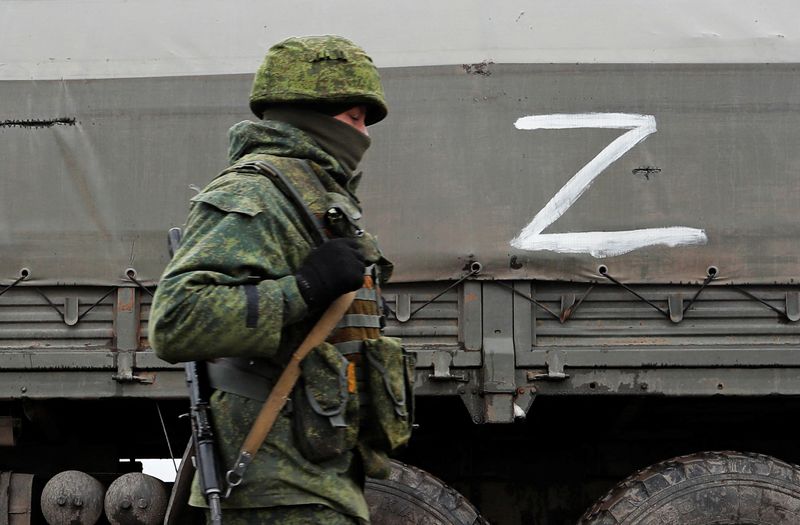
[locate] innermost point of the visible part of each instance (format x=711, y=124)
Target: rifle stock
x=204, y=447
x=203, y=437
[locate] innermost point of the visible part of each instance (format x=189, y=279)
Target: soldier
x=251, y=278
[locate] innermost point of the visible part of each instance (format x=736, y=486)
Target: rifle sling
x=277, y=391
x=282, y=182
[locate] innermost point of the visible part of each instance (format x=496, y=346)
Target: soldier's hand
x=330, y=270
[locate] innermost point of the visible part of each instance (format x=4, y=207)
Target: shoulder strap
x=288, y=189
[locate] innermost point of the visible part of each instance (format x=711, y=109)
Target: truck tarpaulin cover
x=540, y=139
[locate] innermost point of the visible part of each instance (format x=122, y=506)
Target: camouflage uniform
x=298, y=515
x=243, y=243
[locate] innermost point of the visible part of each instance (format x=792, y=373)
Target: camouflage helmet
x=318, y=70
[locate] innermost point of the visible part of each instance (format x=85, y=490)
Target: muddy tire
x=412, y=496
x=708, y=488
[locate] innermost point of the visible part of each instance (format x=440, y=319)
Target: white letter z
x=600, y=243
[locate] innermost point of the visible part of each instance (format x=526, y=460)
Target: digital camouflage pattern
x=300, y=515
x=390, y=375
x=242, y=231
x=322, y=393
x=318, y=69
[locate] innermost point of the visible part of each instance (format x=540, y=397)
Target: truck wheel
x=413, y=496
x=730, y=488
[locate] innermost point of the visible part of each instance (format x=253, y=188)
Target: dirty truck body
x=596, y=259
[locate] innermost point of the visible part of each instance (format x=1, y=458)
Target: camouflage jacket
x=242, y=230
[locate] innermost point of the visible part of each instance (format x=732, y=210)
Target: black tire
x=708, y=488
x=411, y=496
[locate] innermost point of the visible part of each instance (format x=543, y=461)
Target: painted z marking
x=599, y=243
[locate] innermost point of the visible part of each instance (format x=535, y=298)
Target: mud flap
x=178, y=510
x=15, y=498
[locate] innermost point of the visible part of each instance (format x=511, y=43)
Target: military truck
x=591, y=208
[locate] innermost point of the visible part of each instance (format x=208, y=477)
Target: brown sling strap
x=283, y=388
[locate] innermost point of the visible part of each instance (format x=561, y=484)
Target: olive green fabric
x=390, y=375
x=242, y=232
x=341, y=140
x=280, y=474
x=272, y=137
x=318, y=69
x=326, y=416
x=299, y=515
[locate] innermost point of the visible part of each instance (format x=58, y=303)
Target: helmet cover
x=319, y=71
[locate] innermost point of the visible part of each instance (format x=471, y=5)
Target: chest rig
x=326, y=215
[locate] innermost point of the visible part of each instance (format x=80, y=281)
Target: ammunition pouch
x=390, y=380
x=325, y=414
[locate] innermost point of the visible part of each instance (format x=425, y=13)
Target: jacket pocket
x=390, y=379
x=325, y=412
x=230, y=202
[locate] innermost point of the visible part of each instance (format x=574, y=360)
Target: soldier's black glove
x=330, y=270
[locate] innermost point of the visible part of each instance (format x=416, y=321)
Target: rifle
x=203, y=438
x=205, y=456
x=197, y=376
x=280, y=392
